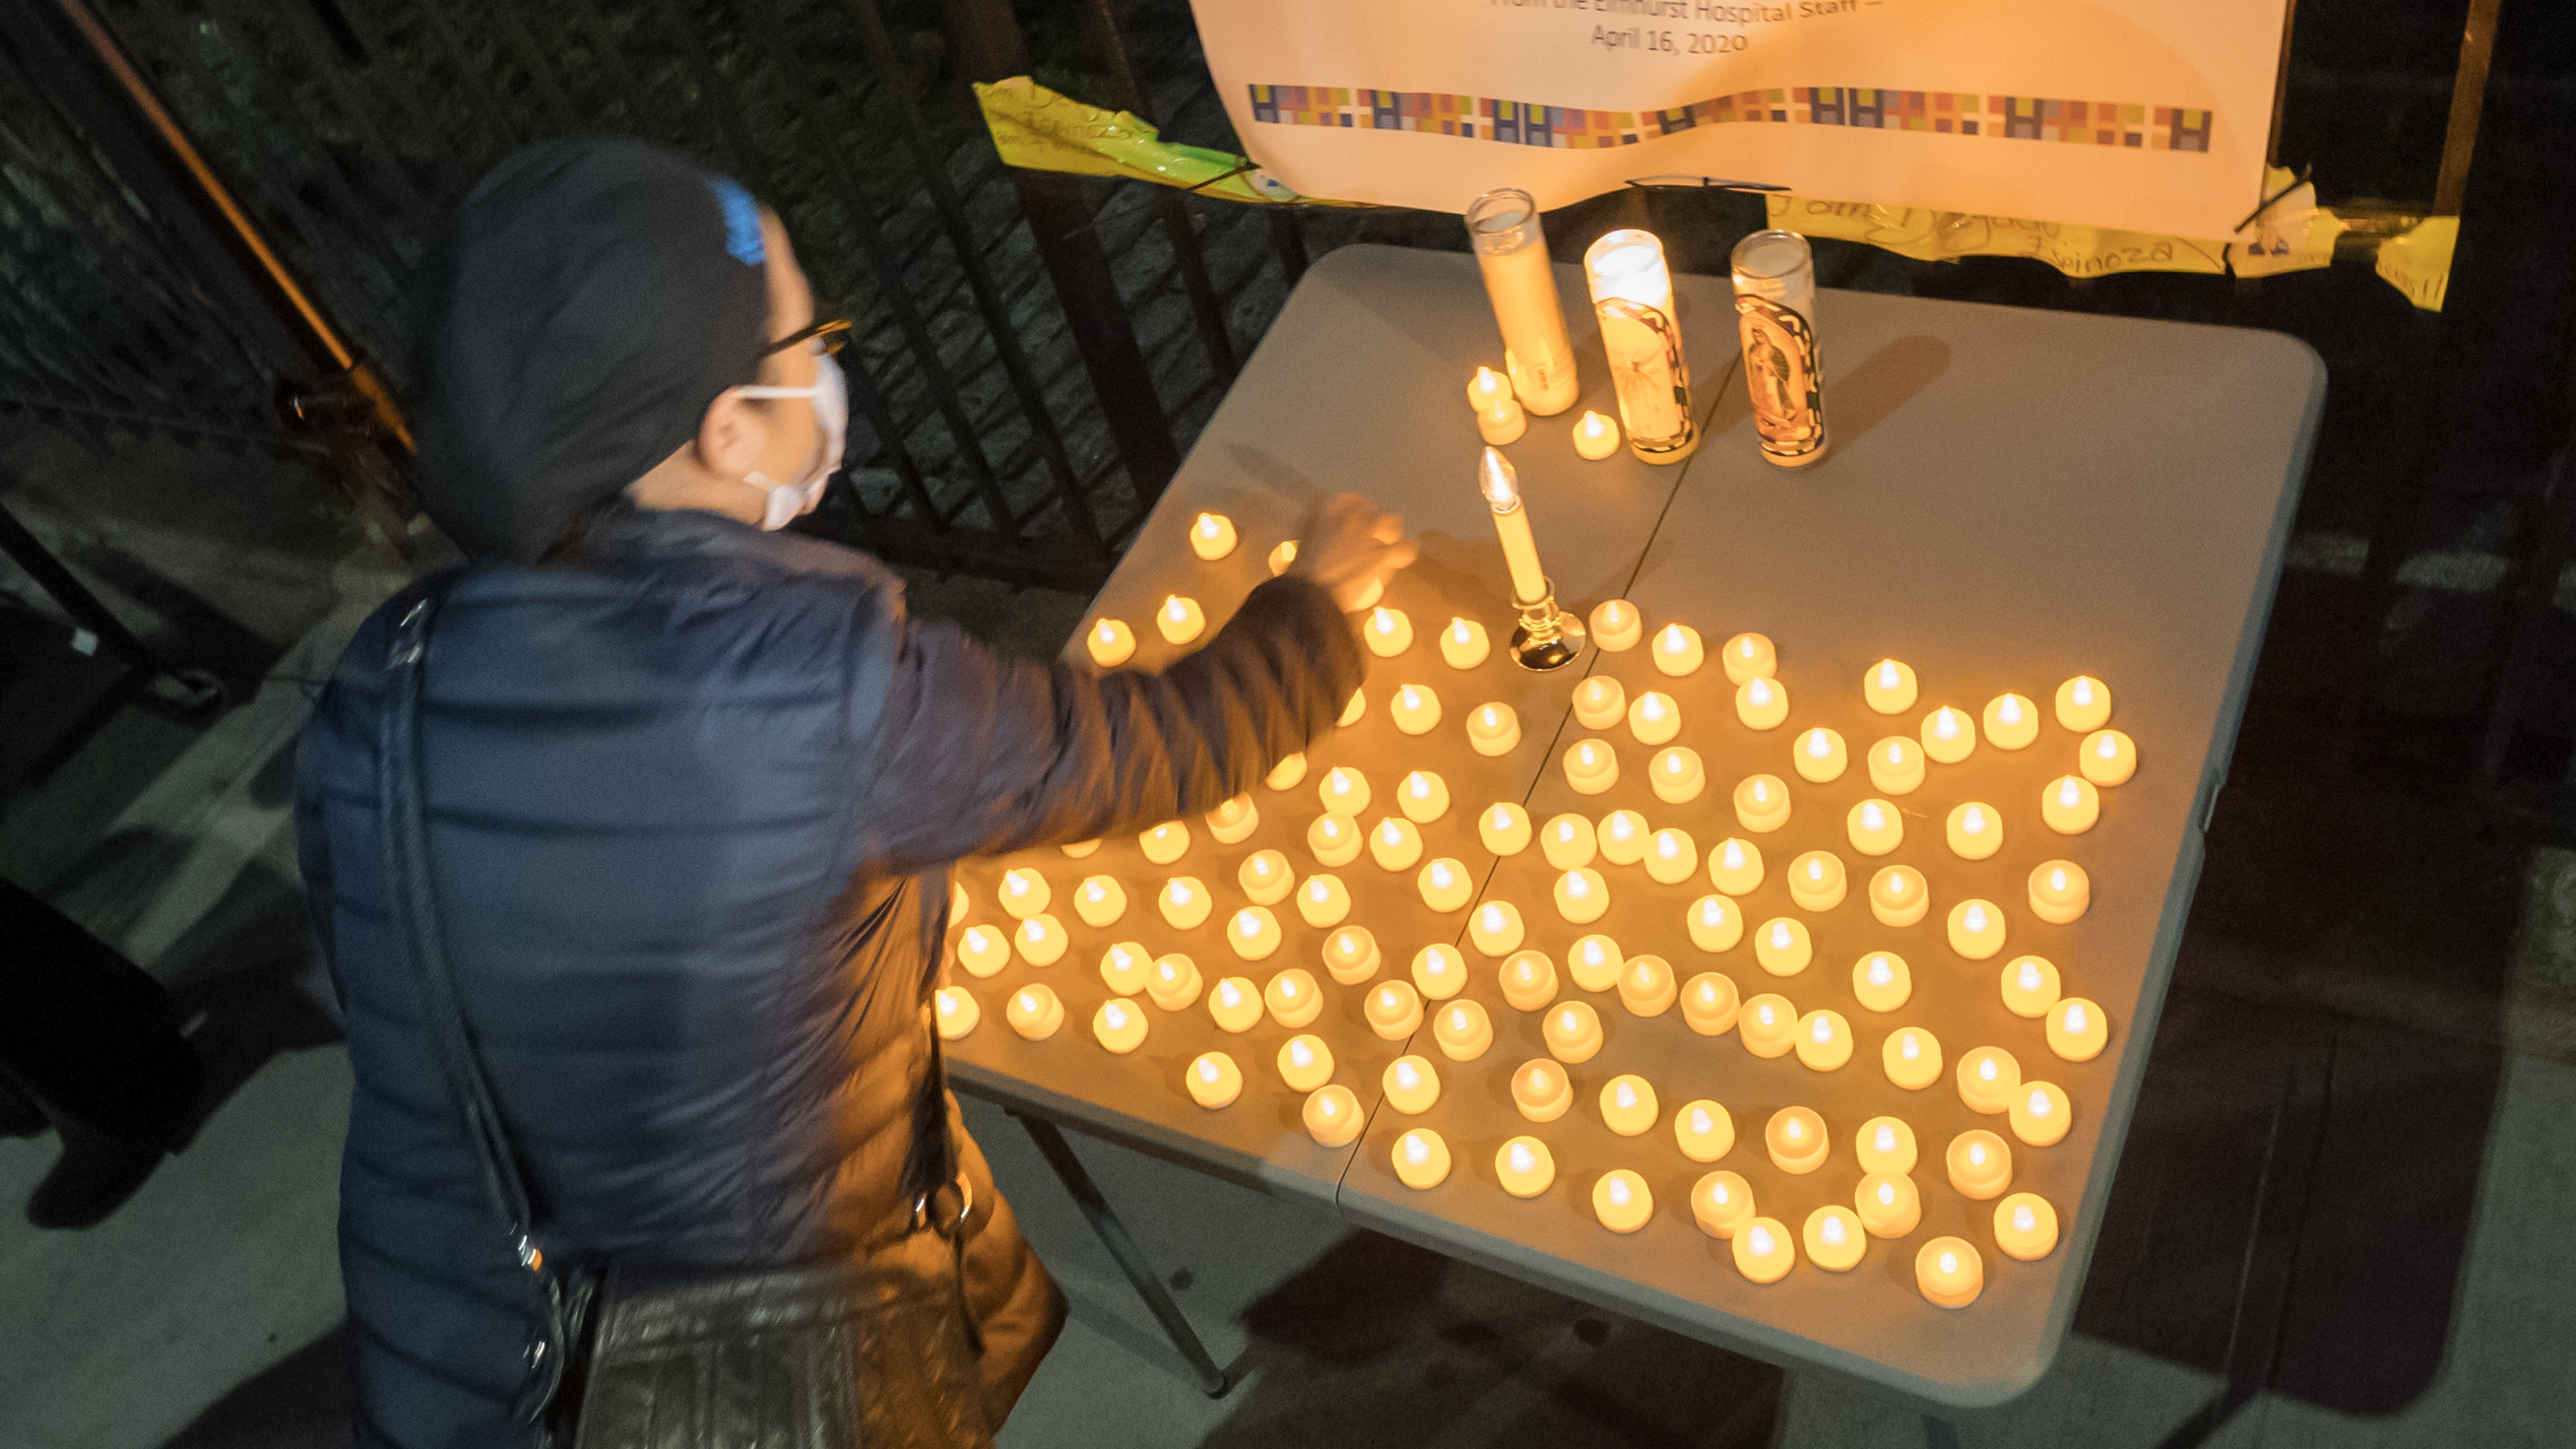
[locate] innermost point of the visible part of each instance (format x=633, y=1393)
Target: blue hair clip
x=742, y=222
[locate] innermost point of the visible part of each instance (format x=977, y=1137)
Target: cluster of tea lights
x=1379, y=824
x=1501, y=420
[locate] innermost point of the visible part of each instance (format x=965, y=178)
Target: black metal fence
x=1033, y=353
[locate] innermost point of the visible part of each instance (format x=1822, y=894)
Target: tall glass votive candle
x=1511, y=250
x=1775, y=310
x=1632, y=292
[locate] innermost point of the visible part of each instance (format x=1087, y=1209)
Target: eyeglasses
x=828, y=335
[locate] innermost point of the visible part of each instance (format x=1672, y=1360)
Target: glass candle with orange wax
x=2011, y=722
x=1528, y=981
x=1722, y=1202
x=1351, y=955
x=1912, y=1058
x=1568, y=841
x=1647, y=987
x=1594, y=962
x=1504, y=828
x=1184, y=902
x=1834, y=1238
x=1599, y=702
x=1334, y=839
x=1173, y=983
x=1572, y=1031
x=1462, y=1031
x=1824, y=1040
x=1235, y=1004
x=1654, y=718
x=2069, y=804
x=1884, y=1144
x=1411, y=1084
x=1024, y=893
x=1622, y=835
x=1323, y=901
x=956, y=1011
x=1493, y=729
x=1541, y=1090
x=1898, y=895
x=1762, y=703
x=2025, y=1226
x=1180, y=620
x=1294, y=1000
x=1748, y=657
x=1124, y=967
x=2060, y=891
x=1628, y=1105
x=1896, y=766
x=1041, y=940
x=1677, y=651
x=1305, y=1063
x=1111, y=643
x=1164, y=843
x=1415, y=708
x=1782, y=946
x=2083, y=704
x=1617, y=626
x=1888, y=686
x=1715, y=924
x=1494, y=928
x=1817, y=881
x=1980, y=1164
x=2077, y=1030
x=1987, y=1078
x=983, y=950
x=1421, y=1159
x=1881, y=981
x=1214, y=1080
x=1622, y=1201
x=1676, y=775
x=1761, y=803
x=2039, y=1114
x=1445, y=885
x=1949, y=736
x=1820, y=756
x=1439, y=972
x=1233, y=821
x=1387, y=633
x=2030, y=985
x=1889, y=1204
x=1796, y=1139
x=1709, y=1003
x=1333, y=1117
x=1285, y=775
x=1976, y=929
x=1762, y=1250
x=1395, y=843
x=1949, y=1273
x=1422, y=796
x=1735, y=867
x=2108, y=757
x=1394, y=1010
x=1671, y=857
x=1034, y=1012
x=1212, y=536
x=1253, y=933
x=1119, y=1025
x=1464, y=645
x=1974, y=831
x=1100, y=900
x=1767, y=1025
x=1523, y=1165
x=1591, y=767
x=1703, y=1130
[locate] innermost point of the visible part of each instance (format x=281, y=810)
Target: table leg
x=1131, y=1259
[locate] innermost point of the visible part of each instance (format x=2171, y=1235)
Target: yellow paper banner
x=1940, y=236
x=2419, y=263
x=1036, y=128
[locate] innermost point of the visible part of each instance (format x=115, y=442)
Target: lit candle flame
x=2030, y=976
x=2010, y=710
x=1832, y=1231
x=1181, y=894
x=1887, y=1194
x=1458, y=1019
x=1570, y=1022
x=2109, y=749
x=1459, y=631
x=1490, y=719
x=1711, y=913
x=1888, y=678
x=947, y=1004
x=1949, y=1262
x=1106, y=633
x=1986, y=1069
x=1760, y=1241
x=1896, y=883
x=1761, y=793
x=1627, y=1095
x=2057, y=880
x=2070, y=794
x=1879, y=975
x=1779, y=938
x=1440, y=876
x=1887, y=1134
x=1382, y=621
x=1734, y=856
x=1406, y=1076
x=1619, y=1191
x=1672, y=766
x=1945, y=724
x=1718, y=1193
x=1326, y=1105
x=1817, y=745
x=1174, y=609
x=1766, y=1015
x=1759, y=691
x=1491, y=918
x=1974, y=821
x=1699, y=1120
x=1896, y=752
x=1115, y=1015
x=2024, y=1219
x=1299, y=1053
x=1232, y=997
x=1027, y=1002
x=2083, y=690
x=1909, y=1048
x=1815, y=870
x=2075, y=1020
x=1671, y=640
x=1823, y=1031
x=1521, y=1159
x=2038, y=1103
x=1974, y=919
x=1653, y=708
x=1794, y=1130
x=1976, y=1154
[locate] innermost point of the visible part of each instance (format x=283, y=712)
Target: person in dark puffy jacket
x=691, y=784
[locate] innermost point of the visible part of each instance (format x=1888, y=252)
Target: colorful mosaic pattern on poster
x=1948, y=113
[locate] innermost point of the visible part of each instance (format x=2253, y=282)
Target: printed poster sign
x=2145, y=115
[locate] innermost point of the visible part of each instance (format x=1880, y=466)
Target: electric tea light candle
x=1294, y=1002
x=1439, y=972
x=1542, y=1091
x=1099, y=900
x=2070, y=805
x=956, y=1011
x=1421, y=1159
x=983, y=950
x=1988, y=1076
x=1875, y=827
x=1980, y=1164
x=1671, y=857
x=1820, y=757
x=1888, y=687
x=1898, y=895
x=1164, y=843
x=1722, y=1202
x=1975, y=831
x=1767, y=1025
x=2077, y=1030
x=1041, y=940
x=1709, y=1003
x=1647, y=987
x=2011, y=722
x=1912, y=1058
x=1595, y=436
x=1896, y=766
x=2025, y=1226
x=1628, y=1105
x=1024, y=893
x=1332, y=1116
x=1735, y=866
x=1233, y=821
x=2059, y=892
x=1075, y=851
x=1396, y=844
x=1816, y=881
x=1388, y=632
x=1282, y=556
x=1783, y=947
x=1305, y=1063
x=1504, y=828
x=1834, y=1238
x=1795, y=1138
x=1034, y=1012
x=1344, y=791
x=1184, y=902
x=1594, y=962
x=1582, y=896
x=1111, y=643
x=1529, y=980
x=1253, y=933
x=1463, y=645
x=1591, y=767
x=1598, y=702
x=1654, y=718
x=1323, y=901
x=1762, y=703
x=1180, y=620
x=1621, y=1200
x=1411, y=1085
x=1881, y=981
x=1123, y=968
x=1486, y=388
x=1501, y=422
x=1493, y=729
x=1286, y=774
x=1445, y=885
x=1677, y=650
x=1976, y=929
x=1462, y=1031
x=1748, y=657
x=1173, y=984
x=1761, y=803
x=1889, y=1204
x=1523, y=1164
x=1948, y=736
x=1885, y=1144
x=1823, y=1040
x=1235, y=1004
x=1617, y=626
x=1214, y=1080
x=1394, y=1010
x=1622, y=836
x=1762, y=1251
x=1572, y=1033
x=2107, y=758
x=2030, y=986
x=1495, y=928
x=1334, y=839
x=1949, y=1272
x=2083, y=703
x=1119, y=1025
x=1212, y=536
x=2039, y=1114
x=1676, y=775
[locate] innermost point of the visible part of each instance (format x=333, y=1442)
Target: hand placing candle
x=2059, y=892
x=1111, y=643
x=1493, y=729
x=1180, y=620
x=1504, y=828
x=1762, y=703
x=1617, y=626
x=1387, y=633
x=1875, y=827
x=1595, y=437
x=1888, y=686
x=1677, y=650
x=2011, y=722
x=1212, y=536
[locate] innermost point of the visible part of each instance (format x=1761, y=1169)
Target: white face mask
x=830, y=395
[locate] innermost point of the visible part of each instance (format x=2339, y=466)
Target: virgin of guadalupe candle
x=1632, y=294
x=1775, y=310
x=1520, y=282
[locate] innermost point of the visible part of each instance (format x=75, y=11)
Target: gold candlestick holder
x=1547, y=637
